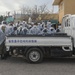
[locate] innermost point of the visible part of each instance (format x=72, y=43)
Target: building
x=54, y=16
x=65, y=7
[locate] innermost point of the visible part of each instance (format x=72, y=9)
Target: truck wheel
x=34, y=55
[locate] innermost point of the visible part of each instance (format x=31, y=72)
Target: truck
x=35, y=47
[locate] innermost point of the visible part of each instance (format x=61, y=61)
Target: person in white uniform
x=5, y=32
x=2, y=45
x=51, y=30
x=43, y=25
x=45, y=30
x=25, y=31
x=49, y=25
x=59, y=29
x=18, y=24
x=35, y=30
x=40, y=26
x=5, y=29
x=19, y=30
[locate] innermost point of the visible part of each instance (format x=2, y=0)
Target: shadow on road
x=59, y=60
x=46, y=60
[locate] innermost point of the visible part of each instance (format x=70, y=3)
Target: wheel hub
x=34, y=56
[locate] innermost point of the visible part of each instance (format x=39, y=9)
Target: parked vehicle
x=36, y=47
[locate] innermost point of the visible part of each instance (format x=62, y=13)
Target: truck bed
x=39, y=40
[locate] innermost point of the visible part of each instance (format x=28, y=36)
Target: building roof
x=56, y=2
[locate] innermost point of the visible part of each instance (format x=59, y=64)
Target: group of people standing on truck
x=35, y=28
x=23, y=28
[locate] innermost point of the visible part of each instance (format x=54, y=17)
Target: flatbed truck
x=36, y=47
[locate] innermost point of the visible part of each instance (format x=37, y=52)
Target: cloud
x=11, y=5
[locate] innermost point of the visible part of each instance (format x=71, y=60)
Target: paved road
x=19, y=66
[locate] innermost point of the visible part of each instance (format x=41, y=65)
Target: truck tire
x=34, y=55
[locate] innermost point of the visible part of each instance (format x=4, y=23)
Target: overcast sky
x=11, y=5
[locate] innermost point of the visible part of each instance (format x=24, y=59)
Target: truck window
x=67, y=23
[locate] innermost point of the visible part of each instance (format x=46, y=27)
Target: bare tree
x=35, y=11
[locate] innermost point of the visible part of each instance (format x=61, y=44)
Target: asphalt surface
x=50, y=66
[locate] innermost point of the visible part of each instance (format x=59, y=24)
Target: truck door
x=68, y=28
x=73, y=28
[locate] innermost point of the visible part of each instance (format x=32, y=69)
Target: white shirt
x=52, y=30
x=7, y=29
x=25, y=31
x=49, y=25
x=40, y=26
x=44, y=31
x=34, y=30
